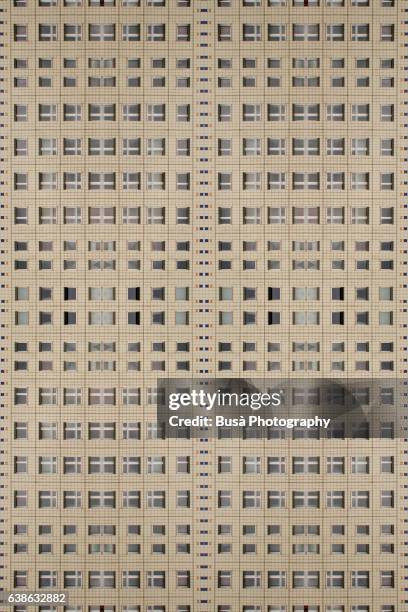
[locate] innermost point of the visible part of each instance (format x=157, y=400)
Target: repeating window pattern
x=261, y=143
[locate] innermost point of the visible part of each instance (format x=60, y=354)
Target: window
x=101, y=146
x=276, y=32
x=300, y=62
x=101, y=181
x=47, y=112
x=131, y=112
x=47, y=499
x=20, y=32
x=47, y=146
x=224, y=32
x=360, y=112
x=276, y=180
x=360, y=499
x=251, y=112
x=387, y=112
x=306, y=579
x=276, y=215
x=72, y=32
x=305, y=112
x=251, y=32
x=20, y=499
x=224, y=579
x=360, y=465
x=101, y=32
x=183, y=181
x=130, y=146
x=276, y=579
x=251, y=579
x=303, y=180
x=101, y=579
x=183, y=32
x=300, y=81
x=156, y=112
x=72, y=146
x=276, y=112
x=335, y=181
x=301, y=499
x=360, y=181
x=276, y=499
x=101, y=499
x=156, y=579
x=335, y=465
x=308, y=215
x=360, y=32
x=360, y=215
x=47, y=579
x=308, y=146
x=387, y=181
x=156, y=32
x=276, y=146
x=387, y=499
x=360, y=579
x=101, y=112
x=225, y=112
x=335, y=32
x=387, y=147
x=131, y=32
x=305, y=465
x=360, y=146
x=183, y=147
x=387, y=464
x=335, y=579
x=72, y=579
x=387, y=33
x=71, y=180
x=20, y=147
x=131, y=181
x=305, y=32
x=20, y=181
x=47, y=32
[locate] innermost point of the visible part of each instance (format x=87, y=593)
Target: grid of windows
x=201, y=118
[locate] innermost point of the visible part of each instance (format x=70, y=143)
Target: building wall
x=213, y=190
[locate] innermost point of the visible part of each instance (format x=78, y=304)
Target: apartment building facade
x=204, y=189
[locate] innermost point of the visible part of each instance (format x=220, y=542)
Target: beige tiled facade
x=205, y=189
